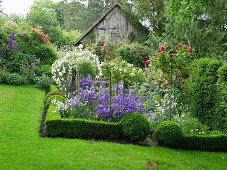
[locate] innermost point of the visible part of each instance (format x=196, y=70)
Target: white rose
x=132, y=74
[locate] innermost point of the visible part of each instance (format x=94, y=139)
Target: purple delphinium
x=11, y=41
x=18, y=46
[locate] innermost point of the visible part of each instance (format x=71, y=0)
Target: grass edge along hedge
x=205, y=142
x=55, y=126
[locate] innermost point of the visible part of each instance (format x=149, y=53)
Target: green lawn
x=22, y=148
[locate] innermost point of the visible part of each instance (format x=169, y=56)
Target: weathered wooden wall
x=114, y=24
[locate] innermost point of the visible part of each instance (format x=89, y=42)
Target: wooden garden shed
x=115, y=24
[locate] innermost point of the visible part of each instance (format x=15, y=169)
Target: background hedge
x=205, y=95
x=205, y=142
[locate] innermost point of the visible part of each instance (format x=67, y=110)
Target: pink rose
x=147, y=62
x=190, y=49
x=176, y=48
x=184, y=46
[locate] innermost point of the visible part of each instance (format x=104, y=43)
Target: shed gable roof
x=100, y=20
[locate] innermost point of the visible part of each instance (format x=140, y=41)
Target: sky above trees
x=19, y=7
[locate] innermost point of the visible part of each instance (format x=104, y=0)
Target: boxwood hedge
x=205, y=142
x=55, y=126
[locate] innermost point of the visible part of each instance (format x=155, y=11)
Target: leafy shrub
x=134, y=53
x=3, y=76
x=205, y=142
x=55, y=126
x=168, y=134
x=216, y=132
x=204, y=94
x=190, y=125
x=15, y=79
x=53, y=88
x=135, y=127
x=57, y=97
x=221, y=105
x=43, y=83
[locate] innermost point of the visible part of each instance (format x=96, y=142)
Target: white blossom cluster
x=63, y=68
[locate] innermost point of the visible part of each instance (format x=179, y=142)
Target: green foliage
x=204, y=94
x=190, y=125
x=56, y=126
x=216, y=132
x=135, y=127
x=199, y=24
x=69, y=37
x=53, y=88
x=221, y=104
x=56, y=97
x=205, y=142
x=43, y=14
x=43, y=83
x=168, y=134
x=154, y=11
x=3, y=76
x=134, y=53
x=15, y=79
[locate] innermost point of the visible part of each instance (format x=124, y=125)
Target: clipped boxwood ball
x=57, y=97
x=135, y=127
x=168, y=134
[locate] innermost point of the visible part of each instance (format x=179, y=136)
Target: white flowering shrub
x=190, y=125
x=82, y=62
x=119, y=69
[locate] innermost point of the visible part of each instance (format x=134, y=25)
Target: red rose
x=188, y=56
x=162, y=48
x=171, y=55
x=147, y=62
x=186, y=90
x=176, y=48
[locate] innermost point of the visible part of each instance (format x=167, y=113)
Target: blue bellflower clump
x=92, y=102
